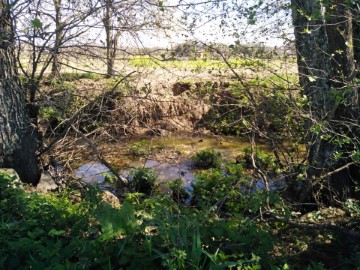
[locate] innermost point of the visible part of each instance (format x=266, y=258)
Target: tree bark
x=325, y=57
x=112, y=37
x=356, y=34
x=314, y=66
x=17, y=138
x=55, y=67
x=339, y=27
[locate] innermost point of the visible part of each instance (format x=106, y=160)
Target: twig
x=99, y=156
x=69, y=122
x=307, y=225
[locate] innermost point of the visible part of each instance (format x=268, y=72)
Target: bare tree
x=129, y=17
x=43, y=30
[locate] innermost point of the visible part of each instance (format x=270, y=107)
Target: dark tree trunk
x=325, y=56
x=17, y=139
x=314, y=66
x=340, y=32
x=356, y=34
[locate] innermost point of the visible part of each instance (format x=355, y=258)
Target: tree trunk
x=55, y=68
x=340, y=32
x=356, y=34
x=112, y=36
x=108, y=32
x=314, y=66
x=325, y=60
x=17, y=139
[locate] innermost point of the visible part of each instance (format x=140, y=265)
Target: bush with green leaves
x=47, y=231
x=206, y=159
x=263, y=160
x=143, y=180
x=219, y=188
x=52, y=231
x=179, y=192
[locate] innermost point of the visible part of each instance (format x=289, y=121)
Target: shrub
x=179, y=192
x=206, y=159
x=263, y=160
x=216, y=187
x=143, y=180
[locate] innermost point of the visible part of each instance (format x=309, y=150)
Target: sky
x=225, y=23
x=272, y=30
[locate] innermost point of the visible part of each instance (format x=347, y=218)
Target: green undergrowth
x=220, y=229
x=73, y=76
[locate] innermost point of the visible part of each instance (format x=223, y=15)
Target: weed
x=206, y=159
x=49, y=113
x=141, y=148
x=77, y=76
x=180, y=194
x=263, y=160
x=143, y=180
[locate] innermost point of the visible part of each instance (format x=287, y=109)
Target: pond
x=170, y=156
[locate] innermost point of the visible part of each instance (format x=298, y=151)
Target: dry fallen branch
x=70, y=121
x=328, y=226
x=121, y=179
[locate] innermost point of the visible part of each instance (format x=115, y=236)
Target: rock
x=12, y=173
x=108, y=197
x=46, y=183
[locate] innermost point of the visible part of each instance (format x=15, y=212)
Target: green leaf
x=355, y=156
x=54, y=232
x=36, y=233
x=36, y=23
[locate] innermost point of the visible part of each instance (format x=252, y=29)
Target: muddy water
x=170, y=156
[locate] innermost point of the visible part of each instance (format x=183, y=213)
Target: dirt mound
x=164, y=111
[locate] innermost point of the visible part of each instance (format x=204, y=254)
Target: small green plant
x=179, y=192
x=215, y=187
x=143, y=180
x=109, y=177
x=206, y=159
x=49, y=113
x=76, y=76
x=263, y=160
x=141, y=148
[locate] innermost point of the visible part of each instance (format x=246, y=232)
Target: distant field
x=151, y=71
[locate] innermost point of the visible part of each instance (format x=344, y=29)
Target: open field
x=151, y=71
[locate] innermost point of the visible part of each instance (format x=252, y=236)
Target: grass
x=153, y=62
x=73, y=76
x=221, y=229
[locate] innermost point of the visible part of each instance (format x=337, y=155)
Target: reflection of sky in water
x=92, y=172
x=168, y=171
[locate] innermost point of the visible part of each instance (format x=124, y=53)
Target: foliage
x=53, y=232
x=143, y=180
x=207, y=159
x=220, y=189
x=77, y=76
x=263, y=160
x=49, y=113
x=109, y=177
x=180, y=193
x=141, y=148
